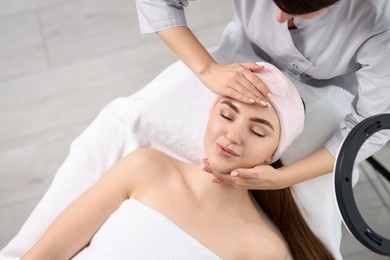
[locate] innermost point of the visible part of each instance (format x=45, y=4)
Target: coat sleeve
x=157, y=15
x=373, y=95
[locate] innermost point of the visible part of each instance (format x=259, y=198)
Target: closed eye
x=258, y=134
x=225, y=117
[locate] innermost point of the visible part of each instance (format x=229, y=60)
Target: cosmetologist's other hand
x=262, y=177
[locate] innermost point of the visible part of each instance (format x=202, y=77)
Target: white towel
x=135, y=231
x=170, y=114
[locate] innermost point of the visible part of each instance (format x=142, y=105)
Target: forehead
x=250, y=110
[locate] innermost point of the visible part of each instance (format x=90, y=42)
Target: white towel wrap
x=136, y=231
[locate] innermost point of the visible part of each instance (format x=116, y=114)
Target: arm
x=235, y=80
x=313, y=165
x=75, y=227
x=373, y=95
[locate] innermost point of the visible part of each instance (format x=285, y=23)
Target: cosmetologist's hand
x=237, y=81
x=262, y=177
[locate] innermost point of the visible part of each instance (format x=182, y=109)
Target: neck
x=219, y=195
x=290, y=24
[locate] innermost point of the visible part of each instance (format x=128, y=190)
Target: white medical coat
x=348, y=46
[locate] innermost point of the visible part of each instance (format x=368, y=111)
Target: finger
x=241, y=180
x=250, y=82
x=238, y=89
x=236, y=182
x=244, y=173
x=216, y=180
x=205, y=169
x=234, y=173
x=206, y=162
x=253, y=67
x=232, y=92
x=256, y=85
x=206, y=165
x=219, y=175
x=226, y=178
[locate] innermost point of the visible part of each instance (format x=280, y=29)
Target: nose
x=281, y=16
x=234, y=134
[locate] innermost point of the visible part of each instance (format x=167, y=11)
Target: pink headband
x=287, y=103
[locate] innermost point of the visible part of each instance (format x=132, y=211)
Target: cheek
x=211, y=133
x=281, y=16
x=215, y=127
x=259, y=153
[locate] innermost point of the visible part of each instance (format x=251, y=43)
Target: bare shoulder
x=147, y=159
x=265, y=244
x=147, y=153
x=142, y=166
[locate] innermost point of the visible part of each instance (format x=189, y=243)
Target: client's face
x=240, y=135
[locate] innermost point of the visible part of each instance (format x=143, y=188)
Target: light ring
x=343, y=183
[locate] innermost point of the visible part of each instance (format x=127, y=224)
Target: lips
x=226, y=151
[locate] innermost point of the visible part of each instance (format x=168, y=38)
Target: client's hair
x=303, y=6
x=281, y=208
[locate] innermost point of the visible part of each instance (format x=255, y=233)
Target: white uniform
x=348, y=46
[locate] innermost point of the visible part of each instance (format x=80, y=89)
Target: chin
x=224, y=169
x=226, y=165
x=222, y=166
x=217, y=165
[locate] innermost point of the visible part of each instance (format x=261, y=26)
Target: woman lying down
x=152, y=206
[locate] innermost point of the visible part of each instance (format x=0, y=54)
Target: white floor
x=61, y=61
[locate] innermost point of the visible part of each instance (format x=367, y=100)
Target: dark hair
x=303, y=6
x=281, y=208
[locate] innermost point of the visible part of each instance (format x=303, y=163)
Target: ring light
x=343, y=183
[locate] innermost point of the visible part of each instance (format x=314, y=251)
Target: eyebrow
x=253, y=119
x=261, y=121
